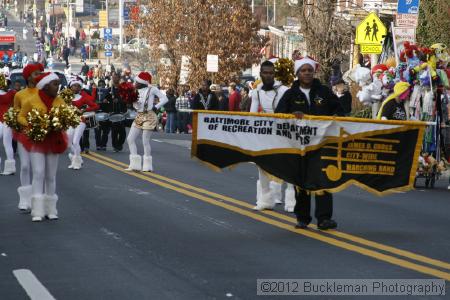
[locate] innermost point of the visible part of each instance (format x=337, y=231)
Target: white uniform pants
x=6, y=133
x=44, y=168
x=131, y=140
x=75, y=135
x=25, y=165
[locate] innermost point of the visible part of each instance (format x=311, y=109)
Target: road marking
x=308, y=233
x=32, y=286
x=280, y=216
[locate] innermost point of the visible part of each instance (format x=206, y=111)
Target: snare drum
x=116, y=118
x=131, y=114
x=89, y=119
x=102, y=116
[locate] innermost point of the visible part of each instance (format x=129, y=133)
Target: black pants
x=101, y=133
x=84, y=142
x=324, y=207
x=182, y=121
x=118, y=135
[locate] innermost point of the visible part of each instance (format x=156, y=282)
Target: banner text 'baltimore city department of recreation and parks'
x=314, y=153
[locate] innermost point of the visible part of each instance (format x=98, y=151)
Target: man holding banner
x=308, y=96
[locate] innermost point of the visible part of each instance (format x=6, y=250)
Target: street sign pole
x=108, y=61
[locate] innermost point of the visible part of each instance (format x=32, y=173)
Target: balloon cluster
x=39, y=125
x=10, y=118
x=127, y=92
x=63, y=117
x=67, y=95
x=284, y=71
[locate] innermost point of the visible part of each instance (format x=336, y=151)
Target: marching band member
x=308, y=96
x=84, y=102
x=44, y=155
x=145, y=121
x=6, y=100
x=266, y=96
x=30, y=73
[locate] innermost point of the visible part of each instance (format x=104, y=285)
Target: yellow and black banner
x=314, y=153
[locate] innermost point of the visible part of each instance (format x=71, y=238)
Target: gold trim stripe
x=386, y=162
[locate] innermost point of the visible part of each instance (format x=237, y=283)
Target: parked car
x=134, y=45
x=16, y=75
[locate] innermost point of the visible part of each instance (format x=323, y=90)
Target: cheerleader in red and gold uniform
x=43, y=154
x=86, y=103
x=6, y=101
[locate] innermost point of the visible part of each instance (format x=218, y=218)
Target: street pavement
x=187, y=232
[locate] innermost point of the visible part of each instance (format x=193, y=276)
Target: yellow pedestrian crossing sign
x=371, y=31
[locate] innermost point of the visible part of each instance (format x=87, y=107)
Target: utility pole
x=67, y=23
x=274, y=12
x=120, y=27
x=107, y=26
x=253, y=7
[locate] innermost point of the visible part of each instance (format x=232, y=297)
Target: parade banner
x=314, y=153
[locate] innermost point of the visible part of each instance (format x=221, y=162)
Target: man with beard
x=308, y=96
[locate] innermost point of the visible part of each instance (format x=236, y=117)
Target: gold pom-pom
x=63, y=117
x=284, y=71
x=67, y=95
x=3, y=82
x=10, y=118
x=39, y=125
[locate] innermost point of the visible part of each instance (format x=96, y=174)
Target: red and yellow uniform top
x=6, y=101
x=55, y=141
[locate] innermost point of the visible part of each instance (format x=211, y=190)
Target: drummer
x=85, y=103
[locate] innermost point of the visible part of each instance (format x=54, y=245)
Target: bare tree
x=327, y=35
x=196, y=28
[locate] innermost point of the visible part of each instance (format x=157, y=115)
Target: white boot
x=258, y=191
x=264, y=199
x=10, y=167
x=135, y=163
x=37, y=208
x=76, y=162
x=50, y=207
x=148, y=164
x=71, y=161
x=289, y=198
x=275, y=189
x=24, y=197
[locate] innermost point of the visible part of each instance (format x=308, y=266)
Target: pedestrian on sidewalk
x=182, y=104
x=171, y=111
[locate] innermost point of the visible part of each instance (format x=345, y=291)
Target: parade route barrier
x=315, y=153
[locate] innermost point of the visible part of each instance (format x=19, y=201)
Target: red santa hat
x=144, y=78
x=76, y=80
x=305, y=61
x=30, y=68
x=44, y=79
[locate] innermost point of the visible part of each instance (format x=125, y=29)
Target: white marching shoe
x=50, y=207
x=275, y=189
x=24, y=197
x=71, y=160
x=77, y=161
x=37, y=208
x=263, y=200
x=148, y=164
x=10, y=167
x=289, y=198
x=135, y=163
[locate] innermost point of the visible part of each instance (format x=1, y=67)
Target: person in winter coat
x=308, y=96
x=171, y=111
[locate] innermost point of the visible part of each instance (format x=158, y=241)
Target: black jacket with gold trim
x=323, y=101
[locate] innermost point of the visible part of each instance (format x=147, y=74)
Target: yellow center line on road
x=308, y=233
x=280, y=216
